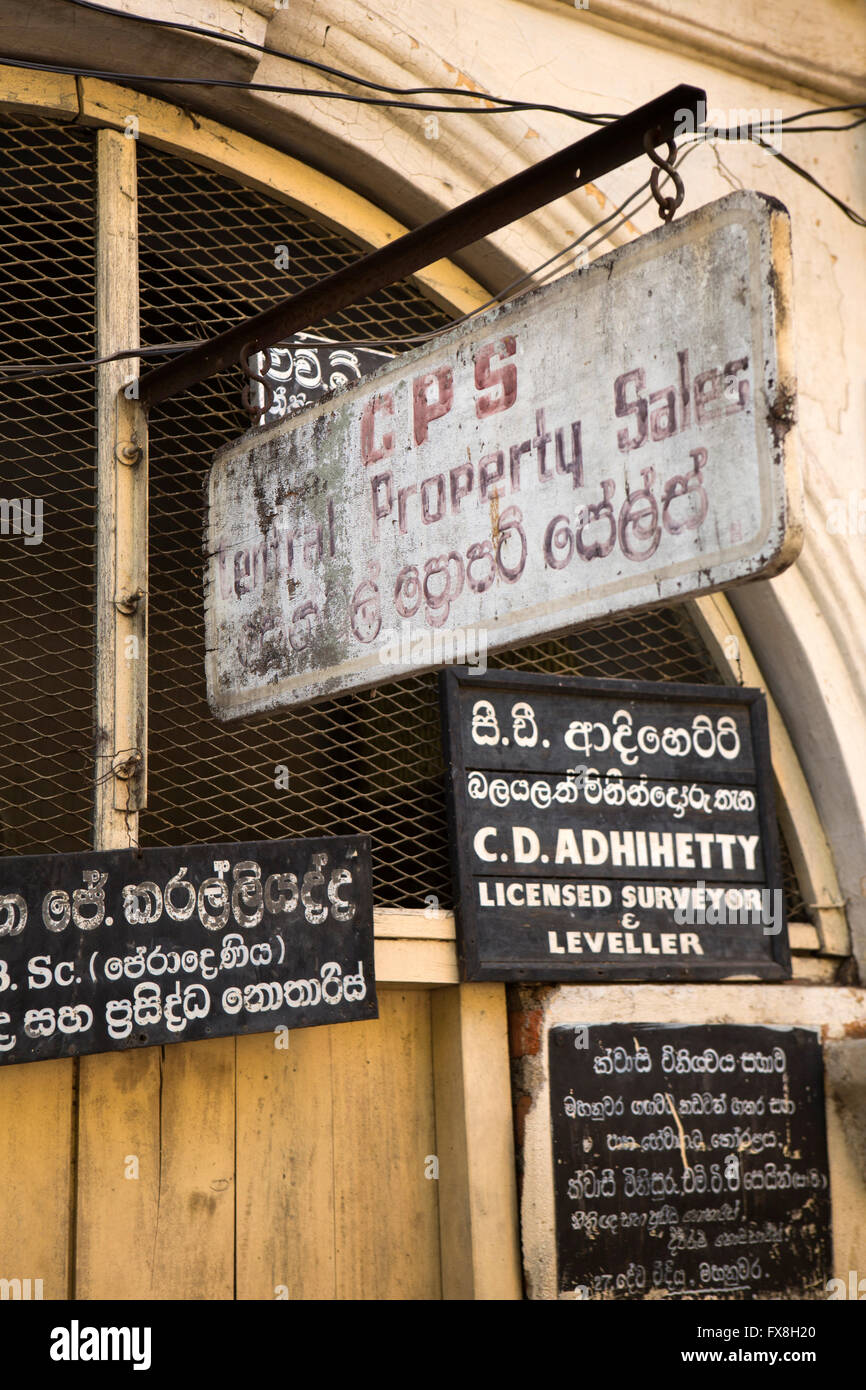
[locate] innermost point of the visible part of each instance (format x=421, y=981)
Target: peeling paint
x=624, y=435
x=595, y=193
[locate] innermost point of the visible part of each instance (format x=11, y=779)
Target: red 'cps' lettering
x=370, y=451
x=501, y=382
x=425, y=409
x=432, y=396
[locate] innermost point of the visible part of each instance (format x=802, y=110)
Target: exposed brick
x=524, y=1032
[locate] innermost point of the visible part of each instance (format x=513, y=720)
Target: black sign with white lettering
x=105, y=951
x=689, y=1162
x=611, y=829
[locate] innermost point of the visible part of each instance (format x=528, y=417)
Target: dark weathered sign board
x=619, y=438
x=293, y=377
x=689, y=1162
x=611, y=829
x=105, y=951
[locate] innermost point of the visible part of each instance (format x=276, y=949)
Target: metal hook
x=256, y=411
x=667, y=205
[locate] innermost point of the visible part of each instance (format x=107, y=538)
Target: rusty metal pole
x=584, y=161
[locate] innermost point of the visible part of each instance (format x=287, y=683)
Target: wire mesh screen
x=363, y=762
x=47, y=487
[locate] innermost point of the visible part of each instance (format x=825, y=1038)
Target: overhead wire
x=777, y=127
x=503, y=105
x=20, y=370
x=539, y=275
x=341, y=74
x=754, y=131
x=745, y=132
x=856, y=217
x=105, y=75
x=852, y=214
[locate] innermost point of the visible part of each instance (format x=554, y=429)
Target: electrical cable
x=856, y=217
x=342, y=75
x=65, y=70
x=23, y=371
x=851, y=213
x=507, y=102
x=19, y=371
x=733, y=133
x=823, y=111
x=504, y=105
x=753, y=132
x=748, y=132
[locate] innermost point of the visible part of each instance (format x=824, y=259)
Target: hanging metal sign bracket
x=580, y=163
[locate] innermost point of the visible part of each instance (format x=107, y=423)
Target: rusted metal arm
x=586, y=160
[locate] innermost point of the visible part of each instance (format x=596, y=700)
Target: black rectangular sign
x=611, y=829
x=689, y=1162
x=105, y=951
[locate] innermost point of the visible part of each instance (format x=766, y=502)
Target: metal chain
x=667, y=205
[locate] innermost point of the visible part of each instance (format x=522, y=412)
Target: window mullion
x=122, y=504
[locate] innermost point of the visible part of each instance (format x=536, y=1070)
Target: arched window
x=210, y=255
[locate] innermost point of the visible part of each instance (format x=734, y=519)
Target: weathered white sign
x=617, y=439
